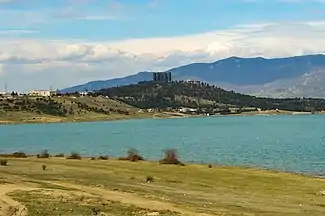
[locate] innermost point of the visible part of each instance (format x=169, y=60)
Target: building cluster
x=35, y=93
x=162, y=77
x=42, y=93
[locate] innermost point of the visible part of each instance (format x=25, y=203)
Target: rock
x=153, y=214
x=322, y=193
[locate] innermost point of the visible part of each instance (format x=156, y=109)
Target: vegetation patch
x=103, y=157
x=3, y=162
x=74, y=155
x=19, y=154
x=59, y=155
x=132, y=155
x=171, y=157
x=55, y=203
x=43, y=154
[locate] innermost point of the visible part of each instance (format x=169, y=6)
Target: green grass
x=56, y=204
x=228, y=190
x=77, y=115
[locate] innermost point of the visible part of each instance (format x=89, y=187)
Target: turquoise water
x=291, y=143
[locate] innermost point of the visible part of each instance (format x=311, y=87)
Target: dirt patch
x=132, y=199
x=8, y=206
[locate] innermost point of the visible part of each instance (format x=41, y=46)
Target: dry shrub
x=103, y=157
x=74, y=155
x=19, y=154
x=132, y=155
x=44, y=167
x=59, y=155
x=3, y=162
x=171, y=157
x=43, y=154
x=149, y=179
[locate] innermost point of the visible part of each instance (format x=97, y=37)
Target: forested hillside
x=201, y=95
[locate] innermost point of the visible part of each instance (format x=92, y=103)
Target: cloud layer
x=29, y=64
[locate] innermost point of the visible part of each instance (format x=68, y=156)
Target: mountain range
x=298, y=76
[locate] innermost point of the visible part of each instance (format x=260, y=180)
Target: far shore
x=160, y=115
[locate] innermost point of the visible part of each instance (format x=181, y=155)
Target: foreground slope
x=85, y=187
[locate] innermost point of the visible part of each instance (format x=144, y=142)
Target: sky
x=60, y=43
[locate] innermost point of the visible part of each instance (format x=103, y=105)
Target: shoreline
x=9, y=156
x=161, y=115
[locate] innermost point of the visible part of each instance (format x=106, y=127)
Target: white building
x=83, y=93
x=43, y=93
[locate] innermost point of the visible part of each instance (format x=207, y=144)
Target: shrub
x=19, y=154
x=132, y=155
x=74, y=155
x=3, y=162
x=92, y=158
x=210, y=166
x=171, y=157
x=43, y=154
x=149, y=179
x=103, y=157
x=59, y=155
x=44, y=167
x=96, y=211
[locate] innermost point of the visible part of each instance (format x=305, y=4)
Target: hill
x=201, y=95
x=25, y=109
x=237, y=73
x=306, y=85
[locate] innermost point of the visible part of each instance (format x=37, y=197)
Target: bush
x=3, y=162
x=210, y=166
x=19, y=154
x=149, y=179
x=74, y=155
x=44, y=167
x=132, y=155
x=103, y=157
x=171, y=157
x=43, y=154
x=92, y=158
x=59, y=155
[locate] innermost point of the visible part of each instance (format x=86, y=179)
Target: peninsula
x=146, y=100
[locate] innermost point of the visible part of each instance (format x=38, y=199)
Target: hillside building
x=162, y=77
x=42, y=93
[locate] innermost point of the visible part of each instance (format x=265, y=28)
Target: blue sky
x=123, y=19
x=86, y=40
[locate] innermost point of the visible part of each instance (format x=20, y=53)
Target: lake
x=290, y=143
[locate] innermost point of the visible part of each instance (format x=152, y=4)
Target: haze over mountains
x=299, y=76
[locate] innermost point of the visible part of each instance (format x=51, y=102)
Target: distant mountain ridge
x=257, y=76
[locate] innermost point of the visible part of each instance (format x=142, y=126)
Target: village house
x=84, y=93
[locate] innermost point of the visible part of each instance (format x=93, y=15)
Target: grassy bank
x=116, y=187
x=68, y=109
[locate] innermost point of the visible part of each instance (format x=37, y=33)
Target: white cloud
x=63, y=63
x=17, y=31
